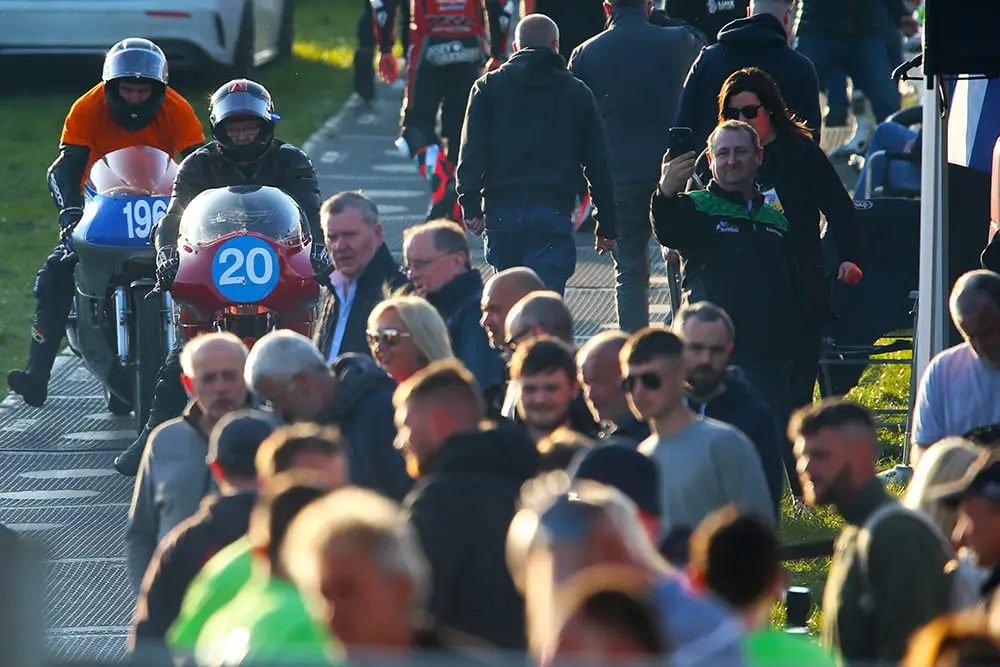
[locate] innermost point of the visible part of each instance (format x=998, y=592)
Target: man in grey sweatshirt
x=704, y=464
x=173, y=475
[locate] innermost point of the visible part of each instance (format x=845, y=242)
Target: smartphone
x=681, y=141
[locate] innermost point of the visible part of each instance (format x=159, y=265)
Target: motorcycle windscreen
x=262, y=210
x=137, y=171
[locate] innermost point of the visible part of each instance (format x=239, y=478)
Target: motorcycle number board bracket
x=245, y=269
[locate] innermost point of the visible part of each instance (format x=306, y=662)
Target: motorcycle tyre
x=147, y=352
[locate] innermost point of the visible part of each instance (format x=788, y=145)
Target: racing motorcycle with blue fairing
x=119, y=333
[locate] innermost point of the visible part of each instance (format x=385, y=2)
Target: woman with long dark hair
x=798, y=179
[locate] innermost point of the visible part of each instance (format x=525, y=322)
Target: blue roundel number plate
x=245, y=269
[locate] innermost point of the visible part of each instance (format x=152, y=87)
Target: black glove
x=69, y=217
x=320, y=258
x=167, y=263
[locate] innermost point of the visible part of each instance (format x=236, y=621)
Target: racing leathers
x=449, y=44
x=89, y=133
x=282, y=166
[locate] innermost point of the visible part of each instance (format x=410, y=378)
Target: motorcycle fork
x=168, y=321
x=121, y=325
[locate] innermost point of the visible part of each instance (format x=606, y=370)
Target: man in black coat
x=364, y=271
x=469, y=482
x=708, y=16
x=761, y=40
x=530, y=128
x=617, y=66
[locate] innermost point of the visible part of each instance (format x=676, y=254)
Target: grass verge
x=307, y=89
x=881, y=387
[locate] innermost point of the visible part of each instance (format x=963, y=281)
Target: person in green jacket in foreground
x=268, y=620
x=300, y=447
x=734, y=556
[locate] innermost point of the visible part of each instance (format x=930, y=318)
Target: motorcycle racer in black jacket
x=244, y=151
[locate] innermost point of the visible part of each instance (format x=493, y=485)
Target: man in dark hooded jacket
x=470, y=477
x=352, y=393
x=720, y=391
x=760, y=40
x=530, y=128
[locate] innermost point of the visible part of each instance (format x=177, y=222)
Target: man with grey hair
x=760, y=40
x=173, y=473
x=356, y=558
x=287, y=370
x=526, y=175
x=722, y=391
x=438, y=262
x=600, y=375
x=738, y=254
x=364, y=270
x=958, y=391
x=564, y=529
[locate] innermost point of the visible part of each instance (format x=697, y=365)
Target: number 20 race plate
x=245, y=269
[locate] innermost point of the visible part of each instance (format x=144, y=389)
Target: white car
x=229, y=36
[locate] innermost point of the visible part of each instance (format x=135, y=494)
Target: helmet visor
x=241, y=103
x=135, y=63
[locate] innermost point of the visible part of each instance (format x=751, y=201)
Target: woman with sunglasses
x=798, y=179
x=405, y=334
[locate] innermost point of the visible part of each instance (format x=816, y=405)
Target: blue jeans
x=539, y=237
x=836, y=82
x=631, y=255
x=864, y=59
x=889, y=137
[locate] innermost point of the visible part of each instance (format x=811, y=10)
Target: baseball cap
x=627, y=470
x=237, y=436
x=981, y=480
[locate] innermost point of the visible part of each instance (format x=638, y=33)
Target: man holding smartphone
x=738, y=253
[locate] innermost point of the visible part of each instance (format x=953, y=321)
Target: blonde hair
x=946, y=461
x=422, y=321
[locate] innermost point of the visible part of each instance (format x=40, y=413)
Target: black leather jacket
x=283, y=166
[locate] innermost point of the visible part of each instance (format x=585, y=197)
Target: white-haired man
x=287, y=370
x=173, y=475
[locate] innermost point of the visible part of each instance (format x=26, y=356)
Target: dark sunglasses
x=749, y=112
x=650, y=381
x=390, y=337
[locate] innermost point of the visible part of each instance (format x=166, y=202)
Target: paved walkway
x=56, y=482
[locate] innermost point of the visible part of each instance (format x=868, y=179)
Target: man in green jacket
x=268, y=619
x=299, y=447
x=737, y=254
x=887, y=578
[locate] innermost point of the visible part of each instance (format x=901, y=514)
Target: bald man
x=599, y=372
x=173, y=475
x=539, y=314
x=958, y=391
x=550, y=129
x=500, y=293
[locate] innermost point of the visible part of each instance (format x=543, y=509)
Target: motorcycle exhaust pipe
x=121, y=313
x=168, y=321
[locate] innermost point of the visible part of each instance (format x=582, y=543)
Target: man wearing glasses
x=436, y=255
x=704, y=464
